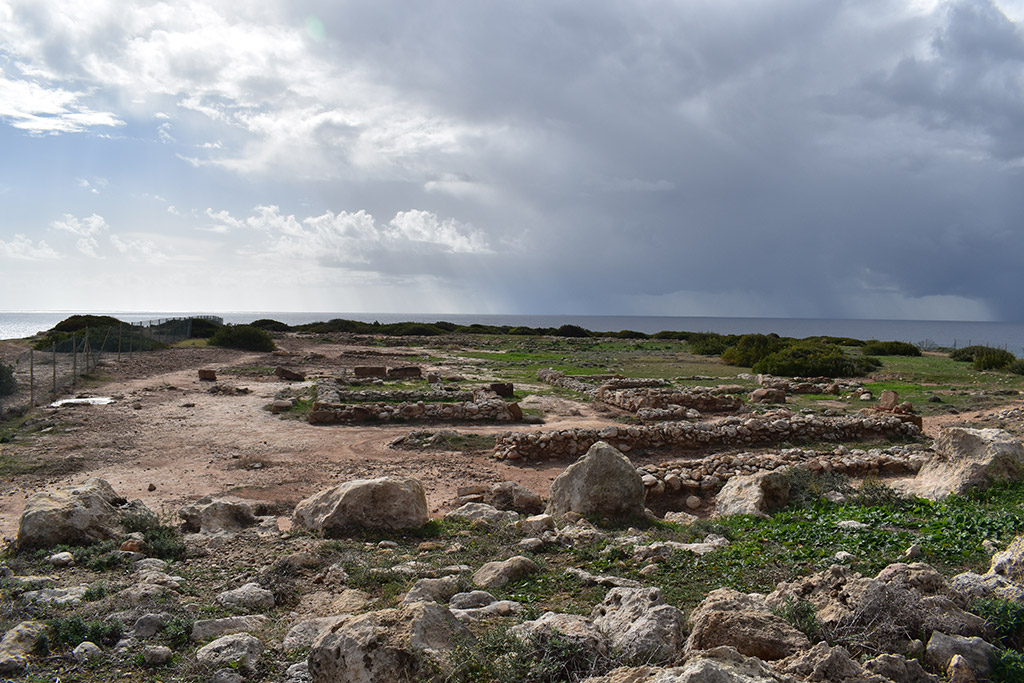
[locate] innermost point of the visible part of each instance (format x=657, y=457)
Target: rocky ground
x=241, y=584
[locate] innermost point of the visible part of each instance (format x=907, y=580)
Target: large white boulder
x=602, y=483
x=81, y=515
x=966, y=459
x=753, y=494
x=640, y=625
x=382, y=503
x=388, y=645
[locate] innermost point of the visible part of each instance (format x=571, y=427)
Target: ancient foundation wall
x=731, y=432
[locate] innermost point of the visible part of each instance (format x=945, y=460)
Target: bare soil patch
x=167, y=432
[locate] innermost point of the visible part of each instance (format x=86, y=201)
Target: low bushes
x=7, y=382
x=245, y=337
x=752, y=348
x=815, y=360
x=890, y=348
x=971, y=354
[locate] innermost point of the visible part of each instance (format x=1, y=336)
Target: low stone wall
x=731, y=432
x=633, y=382
x=560, y=379
x=331, y=406
x=808, y=385
x=696, y=475
x=338, y=395
x=494, y=410
x=634, y=400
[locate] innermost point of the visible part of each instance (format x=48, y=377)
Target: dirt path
x=165, y=431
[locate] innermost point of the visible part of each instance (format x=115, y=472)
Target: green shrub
x=630, y=334
x=571, y=331
x=524, y=331
x=967, y=354
x=1006, y=618
x=498, y=656
x=1008, y=666
x=801, y=615
x=202, y=328
x=815, y=360
x=672, y=334
x=1016, y=367
x=890, y=348
x=751, y=348
x=992, y=359
x=271, y=325
x=74, y=630
x=78, y=323
x=245, y=337
x=710, y=343
x=7, y=382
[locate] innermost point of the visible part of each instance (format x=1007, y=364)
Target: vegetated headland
x=429, y=501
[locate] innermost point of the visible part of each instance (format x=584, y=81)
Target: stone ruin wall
x=730, y=432
x=708, y=474
x=329, y=408
x=637, y=399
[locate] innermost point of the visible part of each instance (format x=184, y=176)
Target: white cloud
x=357, y=238
x=139, y=250
x=85, y=227
x=22, y=248
x=88, y=246
x=41, y=109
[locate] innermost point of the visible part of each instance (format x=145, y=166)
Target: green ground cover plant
x=244, y=337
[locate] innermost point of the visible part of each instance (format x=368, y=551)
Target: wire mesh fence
x=48, y=371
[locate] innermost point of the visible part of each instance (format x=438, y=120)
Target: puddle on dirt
x=91, y=401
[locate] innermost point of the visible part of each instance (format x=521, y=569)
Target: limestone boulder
x=500, y=573
x=899, y=669
x=768, y=395
x=602, y=483
x=901, y=602
x=1009, y=563
x=745, y=622
x=81, y=515
x=382, y=503
x=388, y=645
x=215, y=515
x=639, y=624
x=16, y=646
x=967, y=459
x=824, y=663
x=575, y=628
x=978, y=653
x=240, y=650
x=718, y=665
x=249, y=597
x=508, y=495
x=304, y=632
x=753, y=494
x=483, y=514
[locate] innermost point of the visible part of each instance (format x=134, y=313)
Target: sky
x=768, y=158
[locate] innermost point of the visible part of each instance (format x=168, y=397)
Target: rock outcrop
x=82, y=515
x=387, y=645
x=967, y=459
x=602, y=483
x=382, y=503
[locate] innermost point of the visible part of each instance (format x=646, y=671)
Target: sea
x=927, y=333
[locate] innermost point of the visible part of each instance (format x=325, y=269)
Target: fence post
x=85, y=351
x=32, y=377
x=54, y=398
x=130, y=328
x=74, y=363
x=119, y=326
